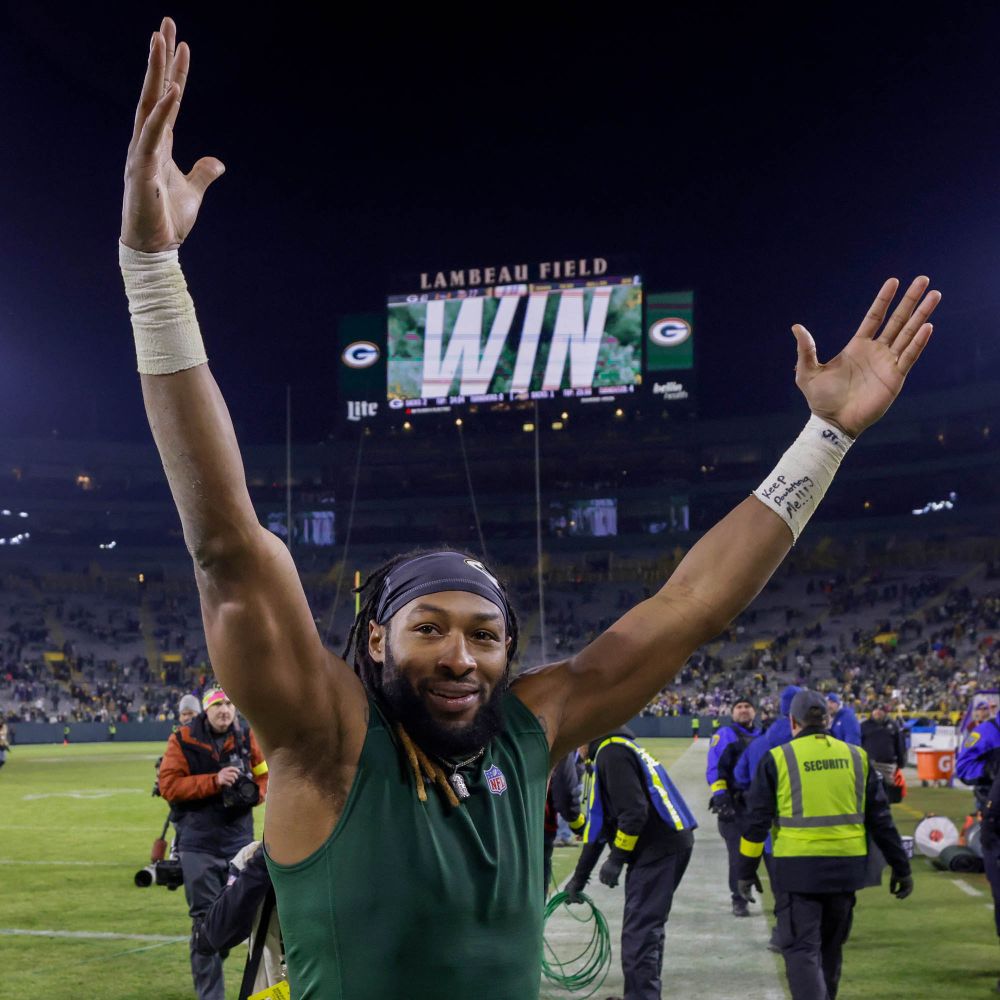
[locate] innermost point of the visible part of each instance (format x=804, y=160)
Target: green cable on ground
x=590, y=967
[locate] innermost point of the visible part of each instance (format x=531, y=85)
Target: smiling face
x=444, y=669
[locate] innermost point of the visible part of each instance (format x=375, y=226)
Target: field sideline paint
x=965, y=887
x=90, y=935
x=82, y=864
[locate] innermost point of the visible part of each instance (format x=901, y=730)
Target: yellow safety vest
x=821, y=798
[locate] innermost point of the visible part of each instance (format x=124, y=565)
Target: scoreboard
x=564, y=333
x=515, y=343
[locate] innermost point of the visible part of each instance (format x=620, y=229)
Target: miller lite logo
x=495, y=780
x=360, y=409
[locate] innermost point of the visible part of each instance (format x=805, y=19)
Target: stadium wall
x=646, y=726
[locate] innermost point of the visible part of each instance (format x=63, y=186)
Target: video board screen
x=670, y=346
x=511, y=343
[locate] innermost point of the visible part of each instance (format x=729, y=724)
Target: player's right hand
x=227, y=776
x=161, y=203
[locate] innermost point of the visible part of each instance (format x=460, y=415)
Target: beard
x=408, y=706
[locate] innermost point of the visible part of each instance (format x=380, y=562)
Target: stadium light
x=458, y=421
x=527, y=428
x=557, y=425
x=407, y=426
x=564, y=415
x=619, y=412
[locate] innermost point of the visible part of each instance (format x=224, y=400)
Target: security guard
x=724, y=751
x=885, y=743
x=978, y=760
x=632, y=803
x=695, y=726
x=990, y=842
x=820, y=800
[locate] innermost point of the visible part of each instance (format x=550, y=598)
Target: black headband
x=436, y=572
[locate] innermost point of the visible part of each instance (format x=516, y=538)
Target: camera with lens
x=166, y=872
x=243, y=793
x=164, y=866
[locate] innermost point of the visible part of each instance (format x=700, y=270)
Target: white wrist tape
x=167, y=337
x=804, y=473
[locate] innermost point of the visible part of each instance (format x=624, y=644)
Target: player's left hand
x=611, y=871
x=856, y=388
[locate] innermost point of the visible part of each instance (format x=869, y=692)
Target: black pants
x=204, y=878
x=812, y=929
x=779, y=897
x=991, y=861
x=730, y=832
x=649, y=892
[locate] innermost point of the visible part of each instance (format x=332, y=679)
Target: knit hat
x=834, y=697
x=189, y=703
x=213, y=695
x=786, y=697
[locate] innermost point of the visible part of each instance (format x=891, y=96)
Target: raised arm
x=263, y=642
x=619, y=672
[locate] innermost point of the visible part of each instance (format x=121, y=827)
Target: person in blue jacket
x=725, y=750
x=779, y=732
x=978, y=761
x=844, y=723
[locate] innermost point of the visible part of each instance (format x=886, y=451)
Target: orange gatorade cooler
x=935, y=765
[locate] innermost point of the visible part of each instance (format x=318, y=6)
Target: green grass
x=107, y=833
x=938, y=944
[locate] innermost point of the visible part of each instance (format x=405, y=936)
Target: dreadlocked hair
x=424, y=770
x=356, y=650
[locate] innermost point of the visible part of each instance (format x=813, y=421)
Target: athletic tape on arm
x=803, y=474
x=167, y=336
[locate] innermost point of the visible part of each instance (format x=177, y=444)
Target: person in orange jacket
x=213, y=774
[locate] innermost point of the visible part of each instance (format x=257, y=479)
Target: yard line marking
x=88, y=758
x=83, y=793
x=84, y=864
x=91, y=935
x=965, y=887
x=90, y=829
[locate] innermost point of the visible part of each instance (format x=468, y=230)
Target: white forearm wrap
x=167, y=337
x=804, y=473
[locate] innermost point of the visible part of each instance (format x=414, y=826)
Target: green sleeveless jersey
x=411, y=900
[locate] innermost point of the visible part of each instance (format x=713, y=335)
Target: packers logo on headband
x=476, y=564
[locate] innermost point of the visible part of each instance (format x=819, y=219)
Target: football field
x=77, y=822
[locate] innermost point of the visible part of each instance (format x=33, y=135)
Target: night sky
x=781, y=165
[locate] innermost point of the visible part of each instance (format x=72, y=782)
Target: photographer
x=212, y=774
x=246, y=909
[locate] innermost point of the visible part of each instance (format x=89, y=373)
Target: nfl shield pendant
x=458, y=783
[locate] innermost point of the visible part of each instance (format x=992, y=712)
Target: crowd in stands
x=919, y=642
